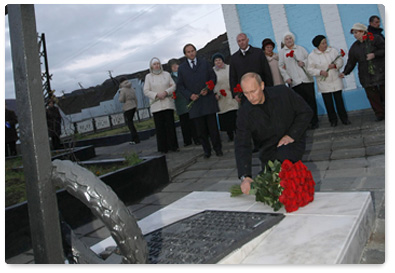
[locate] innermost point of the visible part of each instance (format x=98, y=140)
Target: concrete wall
x=260, y=21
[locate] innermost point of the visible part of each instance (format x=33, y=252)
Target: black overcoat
x=357, y=54
x=192, y=81
x=284, y=112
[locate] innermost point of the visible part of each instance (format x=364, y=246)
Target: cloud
x=84, y=42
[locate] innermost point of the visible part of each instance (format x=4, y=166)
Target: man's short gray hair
x=254, y=75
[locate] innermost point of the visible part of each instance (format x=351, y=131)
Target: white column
x=381, y=8
x=279, y=22
x=335, y=34
x=232, y=23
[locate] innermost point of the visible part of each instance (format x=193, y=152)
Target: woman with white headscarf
x=292, y=64
x=159, y=88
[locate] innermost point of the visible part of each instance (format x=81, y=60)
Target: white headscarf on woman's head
x=288, y=34
x=154, y=60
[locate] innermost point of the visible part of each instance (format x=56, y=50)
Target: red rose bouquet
x=287, y=184
x=368, y=39
x=209, y=87
x=342, y=54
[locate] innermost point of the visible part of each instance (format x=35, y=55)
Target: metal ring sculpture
x=104, y=204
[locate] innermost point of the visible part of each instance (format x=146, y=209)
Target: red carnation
x=210, y=85
x=290, y=54
x=174, y=95
x=342, y=53
x=223, y=92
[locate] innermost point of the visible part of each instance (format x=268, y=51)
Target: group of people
x=264, y=100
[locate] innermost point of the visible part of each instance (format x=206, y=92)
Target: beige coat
x=227, y=103
x=127, y=96
x=318, y=61
x=273, y=63
x=155, y=84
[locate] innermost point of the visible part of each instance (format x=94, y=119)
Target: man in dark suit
x=248, y=59
x=192, y=77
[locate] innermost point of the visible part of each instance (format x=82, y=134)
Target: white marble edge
x=196, y=202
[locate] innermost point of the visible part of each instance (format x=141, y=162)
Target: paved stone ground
x=344, y=158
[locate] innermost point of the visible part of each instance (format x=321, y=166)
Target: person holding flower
x=369, y=52
x=159, y=88
x=292, y=64
x=324, y=62
x=196, y=80
x=276, y=119
x=228, y=106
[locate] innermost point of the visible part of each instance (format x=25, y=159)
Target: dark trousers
x=56, y=144
x=206, y=126
x=330, y=108
x=188, y=129
x=129, y=114
x=12, y=148
x=166, y=137
x=376, y=96
x=307, y=92
x=293, y=152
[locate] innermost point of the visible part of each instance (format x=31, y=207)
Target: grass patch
x=15, y=188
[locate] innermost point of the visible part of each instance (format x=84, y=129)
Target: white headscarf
x=155, y=60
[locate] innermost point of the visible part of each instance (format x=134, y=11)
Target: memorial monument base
x=333, y=229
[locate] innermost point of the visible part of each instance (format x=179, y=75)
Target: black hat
x=266, y=42
x=317, y=40
x=217, y=55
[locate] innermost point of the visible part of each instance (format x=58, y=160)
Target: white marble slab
x=332, y=229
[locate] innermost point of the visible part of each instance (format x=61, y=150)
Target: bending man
x=276, y=118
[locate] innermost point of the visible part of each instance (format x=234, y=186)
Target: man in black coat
x=276, y=118
x=374, y=26
x=248, y=59
x=192, y=77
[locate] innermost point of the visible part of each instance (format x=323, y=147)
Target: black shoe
x=379, y=118
x=207, y=155
x=187, y=144
x=334, y=123
x=197, y=142
x=219, y=153
x=176, y=150
x=346, y=122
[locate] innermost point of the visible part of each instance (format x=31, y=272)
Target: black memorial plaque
x=207, y=237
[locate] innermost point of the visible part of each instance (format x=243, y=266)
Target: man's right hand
x=246, y=185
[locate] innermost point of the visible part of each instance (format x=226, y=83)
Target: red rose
x=223, y=92
x=342, y=53
x=370, y=36
x=174, y=95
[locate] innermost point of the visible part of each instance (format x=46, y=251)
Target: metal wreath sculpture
x=104, y=204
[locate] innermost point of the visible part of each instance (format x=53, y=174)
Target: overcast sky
x=84, y=42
